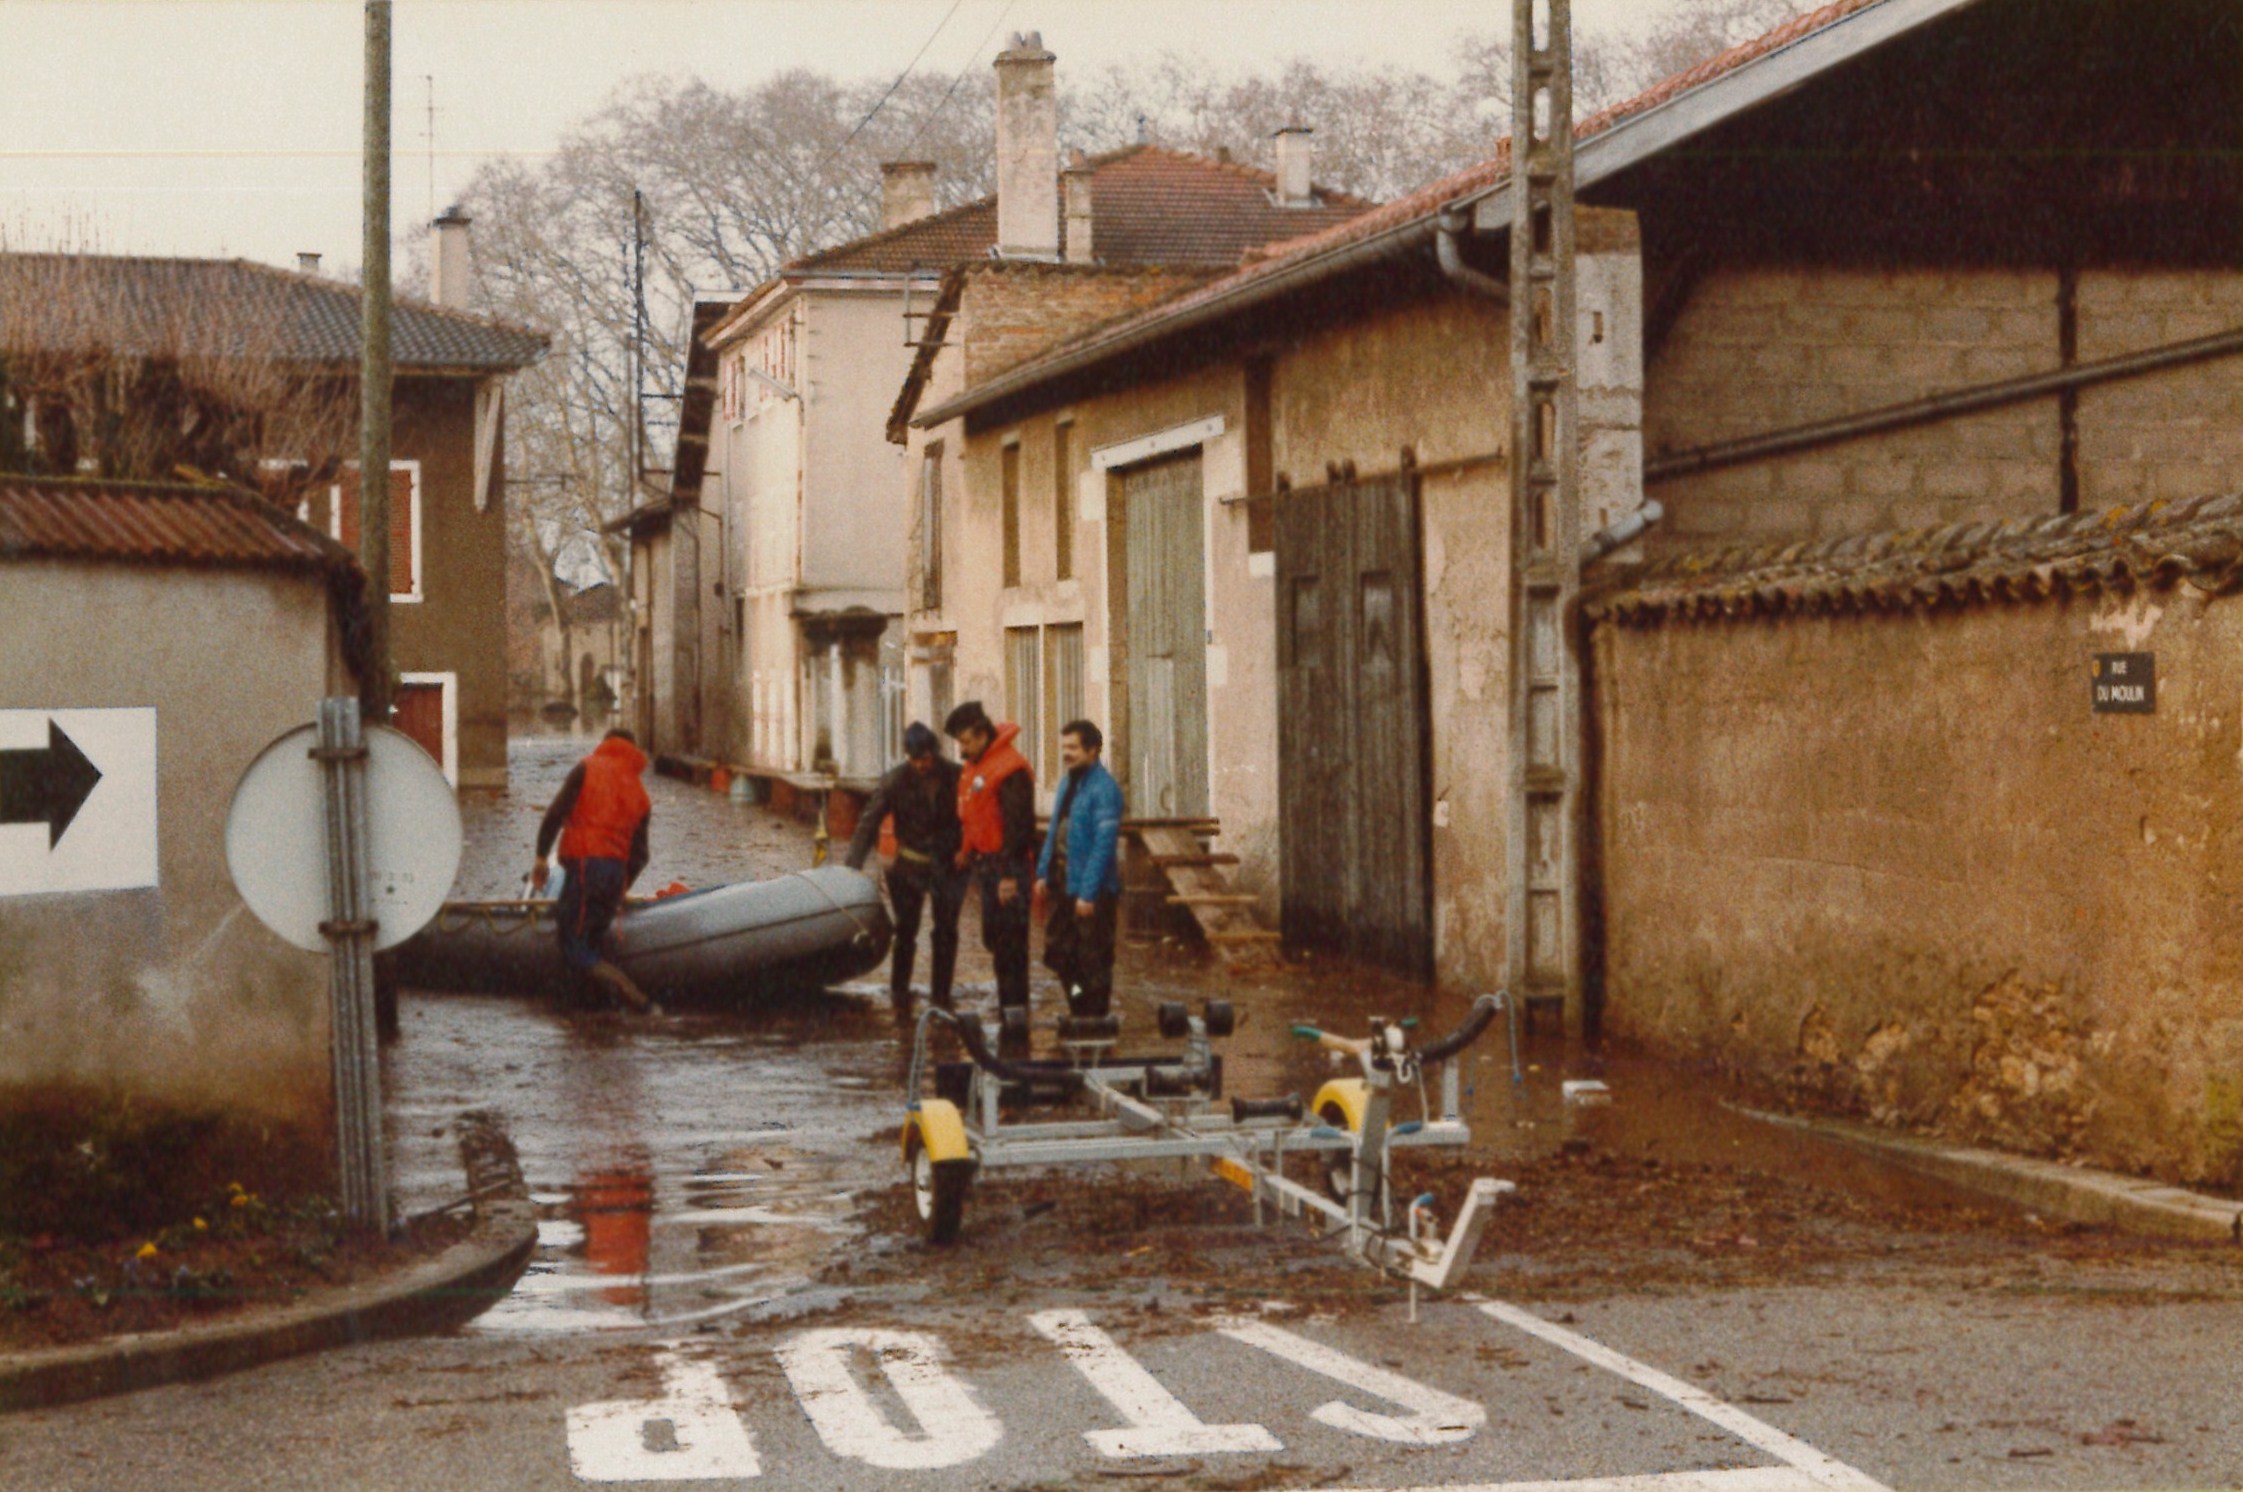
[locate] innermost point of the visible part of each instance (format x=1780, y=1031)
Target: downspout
x=1446, y=230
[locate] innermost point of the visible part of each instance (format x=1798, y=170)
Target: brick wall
x=1010, y=312
x=1763, y=349
x=2173, y=434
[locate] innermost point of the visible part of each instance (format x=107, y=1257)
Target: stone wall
x=1893, y=865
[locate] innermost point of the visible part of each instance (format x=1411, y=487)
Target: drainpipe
x=1446, y=229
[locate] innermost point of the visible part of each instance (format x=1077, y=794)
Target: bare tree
x=159, y=387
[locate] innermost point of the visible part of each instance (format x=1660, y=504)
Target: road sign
x=77, y=800
x=2125, y=684
x=276, y=837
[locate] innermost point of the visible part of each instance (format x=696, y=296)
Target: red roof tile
x=1474, y=180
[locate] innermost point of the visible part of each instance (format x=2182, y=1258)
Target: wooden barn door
x=1167, y=631
x=1353, y=732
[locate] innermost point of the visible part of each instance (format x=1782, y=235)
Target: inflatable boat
x=801, y=931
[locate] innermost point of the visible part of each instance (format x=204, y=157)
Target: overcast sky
x=223, y=127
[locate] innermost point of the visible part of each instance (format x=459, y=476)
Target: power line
x=898, y=83
x=971, y=58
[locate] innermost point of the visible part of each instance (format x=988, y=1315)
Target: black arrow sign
x=46, y=787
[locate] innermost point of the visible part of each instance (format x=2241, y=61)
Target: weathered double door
x=1353, y=739
x=1167, y=638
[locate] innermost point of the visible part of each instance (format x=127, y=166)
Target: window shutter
x=400, y=524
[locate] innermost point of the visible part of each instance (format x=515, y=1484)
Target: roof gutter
x=1447, y=227
x=1402, y=239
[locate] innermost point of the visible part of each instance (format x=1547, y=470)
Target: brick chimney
x=450, y=281
x=907, y=192
x=1027, y=151
x=1296, y=147
x=1078, y=184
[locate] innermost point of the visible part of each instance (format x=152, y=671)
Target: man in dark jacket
x=921, y=796
x=997, y=825
x=600, y=817
x=1080, y=871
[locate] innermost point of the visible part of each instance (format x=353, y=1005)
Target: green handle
x=1409, y=1023
x=1308, y=1033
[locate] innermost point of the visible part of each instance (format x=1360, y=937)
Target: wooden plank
x=1213, y=899
x=1246, y=935
x=1176, y=862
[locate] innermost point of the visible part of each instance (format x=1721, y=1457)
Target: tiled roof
x=1149, y=205
x=176, y=524
x=2152, y=547
x=1416, y=211
x=233, y=307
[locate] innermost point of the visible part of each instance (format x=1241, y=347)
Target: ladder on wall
x=1197, y=879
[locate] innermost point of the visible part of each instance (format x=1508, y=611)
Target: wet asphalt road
x=724, y=1292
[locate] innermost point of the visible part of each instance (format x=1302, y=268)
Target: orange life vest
x=978, y=812
x=610, y=805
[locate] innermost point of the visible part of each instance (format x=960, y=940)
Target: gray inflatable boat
x=799, y=932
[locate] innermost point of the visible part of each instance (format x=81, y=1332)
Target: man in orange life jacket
x=600, y=816
x=997, y=816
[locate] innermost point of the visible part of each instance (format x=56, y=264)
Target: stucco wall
x=177, y=992
x=1758, y=349
x=1896, y=866
x=854, y=359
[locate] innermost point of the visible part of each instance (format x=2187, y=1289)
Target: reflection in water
x=616, y=1208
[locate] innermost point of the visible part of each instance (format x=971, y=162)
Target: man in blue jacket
x=1080, y=872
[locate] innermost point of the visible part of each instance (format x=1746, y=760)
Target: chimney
x=1078, y=180
x=1027, y=151
x=1296, y=144
x=907, y=192
x=448, y=275
x=307, y=263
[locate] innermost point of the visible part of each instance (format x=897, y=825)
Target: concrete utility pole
x=374, y=366
x=1544, y=923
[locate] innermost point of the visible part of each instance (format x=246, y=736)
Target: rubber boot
x=620, y=986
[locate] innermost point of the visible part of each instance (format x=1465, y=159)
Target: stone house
x=806, y=499
x=1939, y=319
x=448, y=465
x=125, y=964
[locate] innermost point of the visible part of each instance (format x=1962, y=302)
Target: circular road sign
x=276, y=837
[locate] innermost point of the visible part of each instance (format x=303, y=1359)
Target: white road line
x=690, y=1434
x=1159, y=1422
x=1748, y=1479
x=1820, y=1469
x=953, y=1428
x=1437, y=1418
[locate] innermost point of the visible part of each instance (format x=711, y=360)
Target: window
x=1063, y=687
x=404, y=524
x=1261, y=507
x=1024, y=688
x=1062, y=503
x=930, y=528
x=1009, y=488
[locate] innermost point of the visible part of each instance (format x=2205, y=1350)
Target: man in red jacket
x=600, y=817
x=997, y=817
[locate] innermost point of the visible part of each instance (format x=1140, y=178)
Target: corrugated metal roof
x=156, y=523
x=2154, y=546
x=232, y=308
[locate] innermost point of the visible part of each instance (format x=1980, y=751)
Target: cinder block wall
x=1758, y=349
x=2168, y=435
x=1895, y=866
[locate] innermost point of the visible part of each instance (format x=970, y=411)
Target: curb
x=2074, y=1193
x=435, y=1295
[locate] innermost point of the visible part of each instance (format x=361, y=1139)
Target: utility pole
x=1544, y=914
x=374, y=366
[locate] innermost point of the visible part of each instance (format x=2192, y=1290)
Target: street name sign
x=276, y=837
x=2125, y=684
x=77, y=800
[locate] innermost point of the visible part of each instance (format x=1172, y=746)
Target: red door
x=420, y=714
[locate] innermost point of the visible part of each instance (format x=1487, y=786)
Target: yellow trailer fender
x=1349, y=1096
x=936, y=1124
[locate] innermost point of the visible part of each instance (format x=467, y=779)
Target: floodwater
x=714, y=1162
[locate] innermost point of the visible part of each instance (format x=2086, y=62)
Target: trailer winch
x=1170, y=1107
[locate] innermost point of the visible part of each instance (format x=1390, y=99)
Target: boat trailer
x=1167, y=1108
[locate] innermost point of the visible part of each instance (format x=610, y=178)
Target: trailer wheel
x=938, y=1189
x=1339, y=1165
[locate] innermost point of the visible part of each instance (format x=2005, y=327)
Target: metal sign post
x=341, y=754
x=1543, y=921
